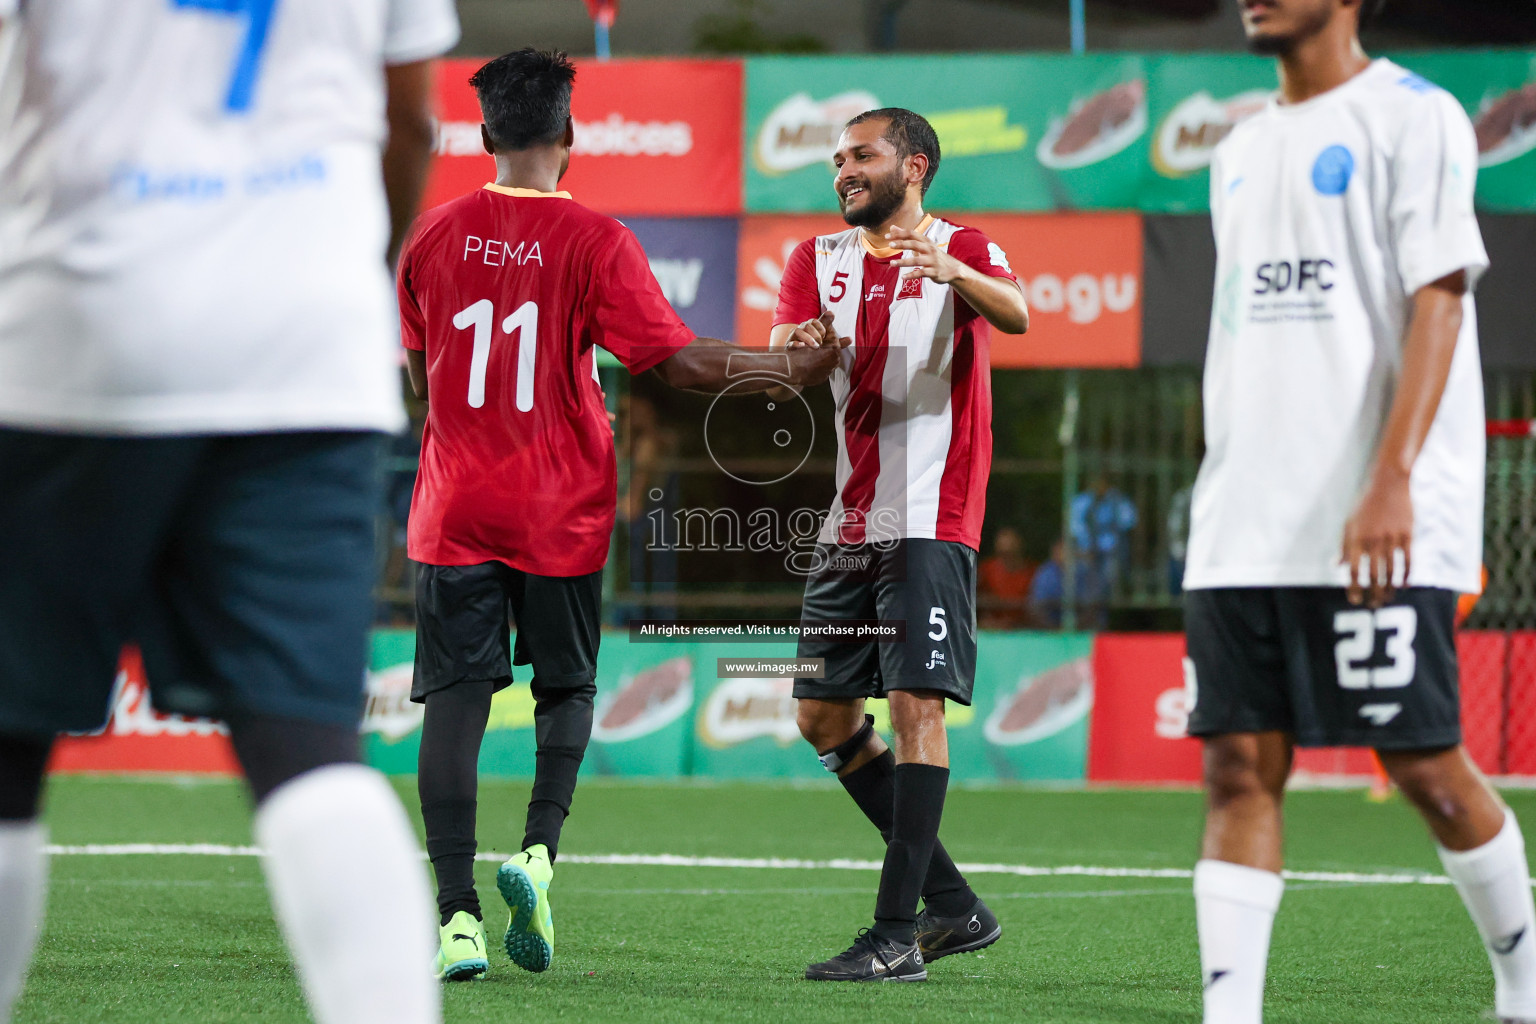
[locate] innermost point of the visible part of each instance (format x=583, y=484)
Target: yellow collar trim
x=525, y=193
x=885, y=254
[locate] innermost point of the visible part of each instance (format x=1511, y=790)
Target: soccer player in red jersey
x=505, y=295
x=918, y=296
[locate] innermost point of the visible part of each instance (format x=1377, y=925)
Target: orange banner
x=1081, y=274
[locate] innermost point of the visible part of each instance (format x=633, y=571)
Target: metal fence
x=1061, y=439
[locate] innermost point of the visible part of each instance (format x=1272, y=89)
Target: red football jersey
x=939, y=458
x=507, y=291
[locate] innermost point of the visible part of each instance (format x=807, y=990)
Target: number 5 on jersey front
x=480, y=315
x=258, y=19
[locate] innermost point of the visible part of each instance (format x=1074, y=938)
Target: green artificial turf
x=181, y=938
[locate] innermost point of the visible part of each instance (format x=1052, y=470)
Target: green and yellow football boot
x=461, y=953
x=524, y=884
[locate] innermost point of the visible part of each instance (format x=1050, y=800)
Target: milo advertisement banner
x=1047, y=132
x=663, y=711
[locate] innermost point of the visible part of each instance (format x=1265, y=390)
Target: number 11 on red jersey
x=481, y=315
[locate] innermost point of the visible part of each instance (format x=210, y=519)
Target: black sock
x=563, y=726
x=919, y=806
x=274, y=750
x=873, y=788
x=446, y=775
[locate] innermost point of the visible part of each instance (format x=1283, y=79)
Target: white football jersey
x=192, y=215
x=1329, y=216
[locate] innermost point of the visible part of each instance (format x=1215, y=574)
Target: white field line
x=672, y=860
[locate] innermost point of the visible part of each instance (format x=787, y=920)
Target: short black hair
x=909, y=132
x=525, y=97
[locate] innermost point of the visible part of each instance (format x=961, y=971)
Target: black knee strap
x=846, y=751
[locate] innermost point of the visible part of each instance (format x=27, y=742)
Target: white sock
x=1234, y=912
x=349, y=886
x=1495, y=883
x=23, y=886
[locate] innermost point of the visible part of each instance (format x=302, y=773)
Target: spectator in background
x=1102, y=519
x=1002, y=582
x=1178, y=537
x=1047, y=592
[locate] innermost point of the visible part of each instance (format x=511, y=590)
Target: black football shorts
x=242, y=566
x=463, y=633
x=1303, y=660
x=927, y=587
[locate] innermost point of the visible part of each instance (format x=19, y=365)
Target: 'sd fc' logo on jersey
x=802, y=132
x=1189, y=134
x=1332, y=171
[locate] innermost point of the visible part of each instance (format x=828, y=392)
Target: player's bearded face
x=870, y=199
x=1274, y=27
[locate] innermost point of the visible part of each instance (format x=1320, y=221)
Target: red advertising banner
x=1081, y=274
x=139, y=739
x=1140, y=711
x=653, y=137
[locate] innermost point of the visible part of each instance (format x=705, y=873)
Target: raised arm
x=1383, y=521
x=711, y=365
x=998, y=300
x=408, y=153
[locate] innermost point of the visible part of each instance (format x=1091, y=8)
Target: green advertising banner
x=1055, y=132
x=663, y=712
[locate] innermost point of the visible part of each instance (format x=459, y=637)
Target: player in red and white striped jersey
x=918, y=296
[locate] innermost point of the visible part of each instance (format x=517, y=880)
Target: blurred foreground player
x=913, y=401
x=196, y=377
x=505, y=296
x=1339, y=508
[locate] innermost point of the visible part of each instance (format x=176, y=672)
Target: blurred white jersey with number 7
x=192, y=217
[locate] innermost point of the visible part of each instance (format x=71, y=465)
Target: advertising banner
x=1082, y=274
x=1046, y=132
x=1142, y=711
x=653, y=137
x=1016, y=133
x=663, y=711
x=694, y=260
x=1143, y=702
x=138, y=738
